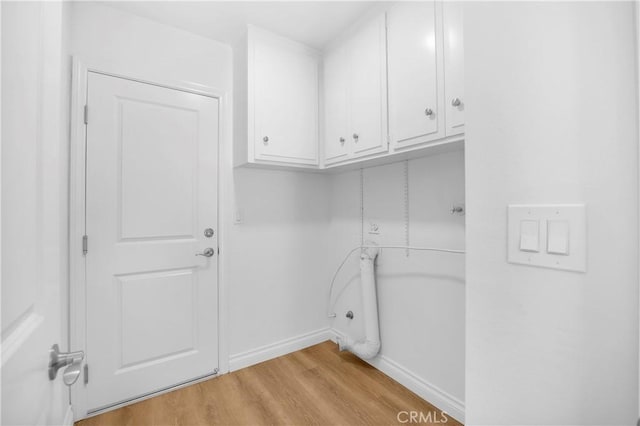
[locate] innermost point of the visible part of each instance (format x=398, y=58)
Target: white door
x=415, y=114
x=337, y=141
x=285, y=78
x=152, y=308
x=453, y=66
x=368, y=88
x=33, y=219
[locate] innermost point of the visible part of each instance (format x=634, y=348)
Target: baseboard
x=425, y=390
x=274, y=350
x=68, y=417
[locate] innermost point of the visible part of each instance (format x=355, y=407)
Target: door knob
x=456, y=102
x=342, y=141
x=356, y=137
x=71, y=360
x=208, y=252
x=428, y=112
x=265, y=140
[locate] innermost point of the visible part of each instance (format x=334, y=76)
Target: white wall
x=274, y=263
x=551, y=118
x=278, y=259
x=102, y=34
x=420, y=297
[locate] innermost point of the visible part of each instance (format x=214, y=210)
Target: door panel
x=453, y=66
x=337, y=141
x=413, y=74
x=33, y=219
x=157, y=204
x=147, y=332
x=151, y=192
x=367, y=89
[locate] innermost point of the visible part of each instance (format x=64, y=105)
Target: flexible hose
x=368, y=347
x=331, y=314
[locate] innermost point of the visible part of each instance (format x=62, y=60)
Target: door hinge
x=86, y=374
x=86, y=114
x=85, y=244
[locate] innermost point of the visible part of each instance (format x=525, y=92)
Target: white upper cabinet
x=453, y=67
x=416, y=112
x=392, y=84
x=336, y=133
x=282, y=102
x=367, y=89
x=355, y=94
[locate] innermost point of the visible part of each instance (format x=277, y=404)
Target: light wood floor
x=314, y=386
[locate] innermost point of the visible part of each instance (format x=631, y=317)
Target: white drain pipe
x=370, y=346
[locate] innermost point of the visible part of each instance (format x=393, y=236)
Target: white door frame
x=637, y=52
x=77, y=164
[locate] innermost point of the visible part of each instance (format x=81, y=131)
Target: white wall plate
x=561, y=236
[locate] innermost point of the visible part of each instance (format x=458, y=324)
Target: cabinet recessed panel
x=415, y=113
x=336, y=137
x=285, y=100
x=367, y=89
x=453, y=67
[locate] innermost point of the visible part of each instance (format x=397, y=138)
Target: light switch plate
x=562, y=245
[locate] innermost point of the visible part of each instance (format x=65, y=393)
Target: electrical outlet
x=374, y=229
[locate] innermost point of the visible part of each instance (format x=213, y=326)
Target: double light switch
x=551, y=236
x=557, y=236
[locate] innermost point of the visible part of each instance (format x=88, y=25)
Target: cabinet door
x=453, y=67
x=285, y=101
x=336, y=137
x=367, y=92
x=415, y=113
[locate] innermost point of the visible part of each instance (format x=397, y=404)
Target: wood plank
x=315, y=386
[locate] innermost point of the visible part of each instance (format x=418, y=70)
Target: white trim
x=274, y=350
x=77, y=310
x=77, y=267
x=225, y=222
x=152, y=395
x=637, y=63
x=68, y=417
x=437, y=397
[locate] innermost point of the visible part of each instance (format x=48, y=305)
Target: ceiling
x=314, y=23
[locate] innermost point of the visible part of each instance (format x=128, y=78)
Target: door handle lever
x=58, y=359
x=208, y=252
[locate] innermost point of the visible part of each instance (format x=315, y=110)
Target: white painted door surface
x=337, y=140
x=367, y=88
x=285, y=87
x=152, y=308
x=33, y=283
x=415, y=111
x=453, y=66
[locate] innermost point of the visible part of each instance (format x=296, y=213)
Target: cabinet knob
x=265, y=140
x=355, y=137
x=456, y=102
x=342, y=141
x=428, y=112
